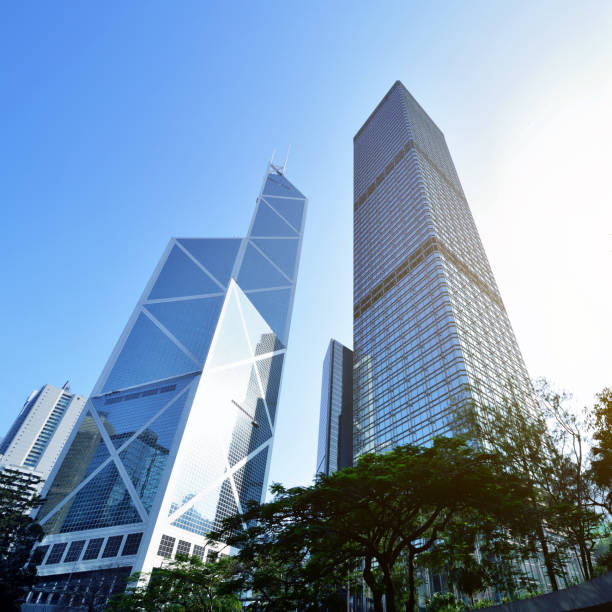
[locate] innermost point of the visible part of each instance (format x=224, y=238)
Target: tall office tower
x=178, y=431
x=335, y=448
x=37, y=437
x=431, y=334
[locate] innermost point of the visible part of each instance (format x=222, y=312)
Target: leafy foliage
x=386, y=510
x=18, y=535
x=601, y=464
x=184, y=585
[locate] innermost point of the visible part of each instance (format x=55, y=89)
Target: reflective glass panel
x=274, y=307
x=261, y=336
x=227, y=421
x=277, y=184
x=282, y=251
x=127, y=412
x=147, y=355
x=270, y=371
x=144, y=460
x=209, y=510
x=180, y=276
x=85, y=454
x=268, y=223
x=290, y=210
x=256, y=272
x=102, y=502
x=249, y=479
x=217, y=255
x=191, y=322
x=200, y=517
x=231, y=342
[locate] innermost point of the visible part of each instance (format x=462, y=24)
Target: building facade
x=431, y=335
x=39, y=433
x=178, y=431
x=335, y=443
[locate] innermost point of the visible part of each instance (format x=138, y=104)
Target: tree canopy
x=18, y=535
x=389, y=507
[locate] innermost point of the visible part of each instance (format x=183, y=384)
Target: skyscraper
x=178, y=431
x=38, y=434
x=335, y=446
x=431, y=334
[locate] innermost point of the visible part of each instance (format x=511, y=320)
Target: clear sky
x=124, y=124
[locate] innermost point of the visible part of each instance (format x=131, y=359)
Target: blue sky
x=124, y=124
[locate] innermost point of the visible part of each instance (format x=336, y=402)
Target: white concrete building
x=37, y=437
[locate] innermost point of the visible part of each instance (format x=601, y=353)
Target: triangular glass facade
x=217, y=255
x=191, y=322
x=291, y=211
x=181, y=276
x=281, y=251
x=268, y=223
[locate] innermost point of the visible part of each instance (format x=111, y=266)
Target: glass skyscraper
x=431, y=334
x=177, y=433
x=335, y=444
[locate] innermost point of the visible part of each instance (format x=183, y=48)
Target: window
x=165, y=546
x=198, y=551
x=183, y=548
x=93, y=549
x=74, y=551
x=112, y=546
x=57, y=551
x=132, y=543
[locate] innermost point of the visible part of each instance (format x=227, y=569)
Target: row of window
x=92, y=550
x=166, y=548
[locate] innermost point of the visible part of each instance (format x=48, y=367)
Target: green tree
x=601, y=462
x=526, y=448
x=18, y=535
x=186, y=584
x=385, y=510
x=570, y=482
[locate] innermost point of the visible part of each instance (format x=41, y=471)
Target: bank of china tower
x=178, y=431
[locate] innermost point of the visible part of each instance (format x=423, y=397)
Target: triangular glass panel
x=256, y=272
x=191, y=322
x=282, y=251
x=277, y=184
x=217, y=255
x=103, y=502
x=204, y=515
x=274, y=307
x=180, y=276
x=230, y=343
x=147, y=355
x=270, y=371
x=261, y=336
x=123, y=414
x=291, y=210
x=269, y=224
x=249, y=479
x=86, y=453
